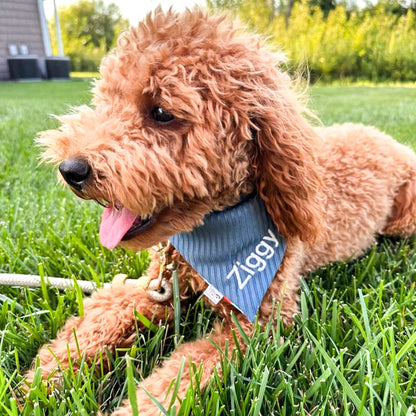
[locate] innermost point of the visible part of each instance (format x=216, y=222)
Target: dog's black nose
x=75, y=171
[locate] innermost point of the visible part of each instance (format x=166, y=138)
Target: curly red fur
x=288, y=175
x=238, y=126
x=402, y=220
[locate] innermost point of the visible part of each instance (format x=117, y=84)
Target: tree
x=89, y=30
x=397, y=7
x=325, y=5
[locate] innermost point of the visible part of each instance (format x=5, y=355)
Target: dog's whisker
x=101, y=202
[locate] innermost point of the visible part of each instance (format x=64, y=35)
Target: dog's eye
x=162, y=116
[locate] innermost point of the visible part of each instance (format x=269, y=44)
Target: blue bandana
x=237, y=252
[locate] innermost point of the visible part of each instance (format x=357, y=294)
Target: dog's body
x=190, y=116
x=363, y=172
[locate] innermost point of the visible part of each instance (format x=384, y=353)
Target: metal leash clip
x=159, y=289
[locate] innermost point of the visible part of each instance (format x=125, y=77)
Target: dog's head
x=190, y=115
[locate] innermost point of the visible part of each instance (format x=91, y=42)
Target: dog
x=197, y=141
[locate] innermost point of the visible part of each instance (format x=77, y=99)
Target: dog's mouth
x=118, y=224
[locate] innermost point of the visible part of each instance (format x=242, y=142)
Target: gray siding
x=19, y=24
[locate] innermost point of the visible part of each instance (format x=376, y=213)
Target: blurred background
x=331, y=39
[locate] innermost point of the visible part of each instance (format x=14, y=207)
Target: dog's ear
x=288, y=176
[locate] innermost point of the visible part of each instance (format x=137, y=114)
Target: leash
x=30, y=280
x=159, y=289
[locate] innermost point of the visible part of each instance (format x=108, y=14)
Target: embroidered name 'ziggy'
x=237, y=251
x=256, y=261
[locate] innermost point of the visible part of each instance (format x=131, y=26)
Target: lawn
x=352, y=350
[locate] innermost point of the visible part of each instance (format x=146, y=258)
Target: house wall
x=19, y=25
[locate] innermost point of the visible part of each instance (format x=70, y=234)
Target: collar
x=237, y=251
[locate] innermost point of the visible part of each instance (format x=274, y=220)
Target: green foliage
x=376, y=46
x=373, y=44
x=257, y=14
x=89, y=30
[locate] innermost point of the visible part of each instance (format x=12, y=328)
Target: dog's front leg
x=197, y=360
x=207, y=352
x=108, y=322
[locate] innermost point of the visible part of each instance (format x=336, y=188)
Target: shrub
x=375, y=44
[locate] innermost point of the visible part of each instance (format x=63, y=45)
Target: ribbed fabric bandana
x=237, y=251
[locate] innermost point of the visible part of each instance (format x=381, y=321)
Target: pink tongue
x=114, y=224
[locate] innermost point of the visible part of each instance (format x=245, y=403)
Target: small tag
x=213, y=294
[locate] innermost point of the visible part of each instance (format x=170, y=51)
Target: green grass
x=392, y=109
x=351, y=352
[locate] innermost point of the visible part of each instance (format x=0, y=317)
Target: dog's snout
x=75, y=171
